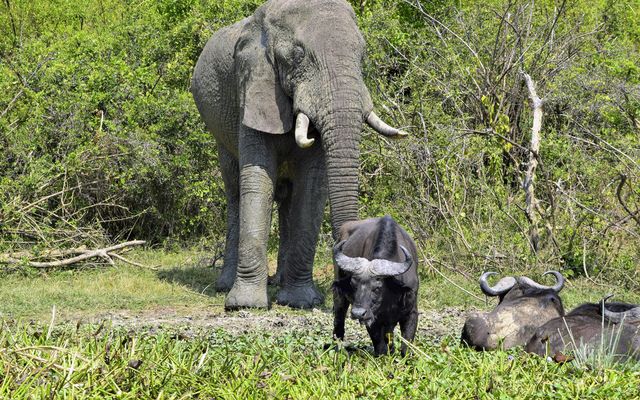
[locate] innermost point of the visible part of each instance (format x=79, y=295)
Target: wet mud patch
x=188, y=322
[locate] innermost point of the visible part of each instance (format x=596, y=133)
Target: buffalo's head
x=369, y=282
x=523, y=306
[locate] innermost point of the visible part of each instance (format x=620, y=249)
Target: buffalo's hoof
x=225, y=281
x=306, y=296
x=244, y=295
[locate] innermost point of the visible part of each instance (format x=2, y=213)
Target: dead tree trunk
x=530, y=174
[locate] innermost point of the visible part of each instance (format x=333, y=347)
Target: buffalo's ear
x=264, y=105
x=342, y=286
x=398, y=285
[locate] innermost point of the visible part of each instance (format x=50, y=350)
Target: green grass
x=45, y=354
x=176, y=280
x=184, y=279
x=111, y=363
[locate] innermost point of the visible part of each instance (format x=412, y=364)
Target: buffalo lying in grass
x=608, y=328
x=377, y=275
x=523, y=306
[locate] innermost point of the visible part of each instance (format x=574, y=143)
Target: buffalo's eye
x=298, y=54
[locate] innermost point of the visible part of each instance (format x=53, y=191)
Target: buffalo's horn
x=381, y=267
x=302, y=128
x=556, y=288
x=631, y=316
x=346, y=263
x=503, y=286
x=382, y=128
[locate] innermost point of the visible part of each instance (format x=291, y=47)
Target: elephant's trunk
x=341, y=138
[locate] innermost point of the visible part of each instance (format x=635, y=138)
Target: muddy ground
x=432, y=324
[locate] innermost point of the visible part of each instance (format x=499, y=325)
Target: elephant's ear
x=264, y=106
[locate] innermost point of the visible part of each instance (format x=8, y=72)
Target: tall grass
x=98, y=361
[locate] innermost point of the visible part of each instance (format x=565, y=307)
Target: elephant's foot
x=226, y=279
x=245, y=295
x=306, y=296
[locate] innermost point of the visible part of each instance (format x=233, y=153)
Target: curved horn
x=523, y=280
x=382, y=128
x=503, y=286
x=631, y=316
x=302, y=128
x=381, y=267
x=346, y=263
x=605, y=298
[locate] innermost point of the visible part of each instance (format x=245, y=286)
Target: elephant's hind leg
x=283, y=198
x=305, y=217
x=229, y=168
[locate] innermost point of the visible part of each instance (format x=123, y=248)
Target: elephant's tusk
x=302, y=127
x=382, y=128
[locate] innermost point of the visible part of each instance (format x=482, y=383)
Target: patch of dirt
x=433, y=324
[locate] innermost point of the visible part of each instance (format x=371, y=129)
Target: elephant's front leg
x=305, y=217
x=257, y=177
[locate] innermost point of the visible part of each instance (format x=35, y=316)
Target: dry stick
x=44, y=254
x=87, y=254
x=623, y=179
x=45, y=198
x=121, y=258
x=529, y=177
x=452, y=282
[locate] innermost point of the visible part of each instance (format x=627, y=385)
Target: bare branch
x=530, y=174
x=84, y=255
x=634, y=215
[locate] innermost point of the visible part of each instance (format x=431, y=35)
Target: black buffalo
x=523, y=306
x=377, y=275
x=609, y=328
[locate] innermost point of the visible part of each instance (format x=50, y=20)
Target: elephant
x=283, y=94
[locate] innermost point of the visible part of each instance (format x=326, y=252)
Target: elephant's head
x=300, y=61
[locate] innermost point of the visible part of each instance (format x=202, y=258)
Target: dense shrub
x=101, y=140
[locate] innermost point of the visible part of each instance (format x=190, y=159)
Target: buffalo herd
x=532, y=315
x=376, y=274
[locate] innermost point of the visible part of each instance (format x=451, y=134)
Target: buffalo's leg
x=340, y=307
x=229, y=168
x=408, y=328
x=305, y=217
x=380, y=338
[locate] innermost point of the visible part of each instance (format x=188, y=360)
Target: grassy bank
x=128, y=332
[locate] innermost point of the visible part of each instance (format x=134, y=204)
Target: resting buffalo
x=585, y=328
x=523, y=306
x=376, y=273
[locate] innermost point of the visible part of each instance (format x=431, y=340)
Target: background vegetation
x=101, y=140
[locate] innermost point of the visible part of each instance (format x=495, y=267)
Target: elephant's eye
x=298, y=54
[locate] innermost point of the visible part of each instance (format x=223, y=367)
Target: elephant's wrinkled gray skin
x=295, y=65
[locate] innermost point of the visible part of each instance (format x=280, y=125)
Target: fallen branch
x=106, y=253
x=126, y=260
